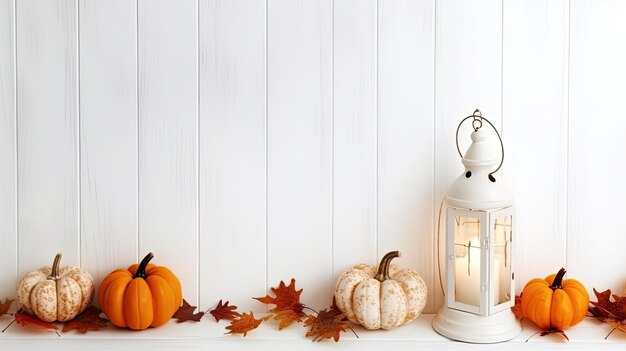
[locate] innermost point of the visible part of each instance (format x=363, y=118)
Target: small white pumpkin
x=55, y=294
x=384, y=297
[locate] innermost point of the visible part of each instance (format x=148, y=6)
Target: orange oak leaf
x=288, y=308
x=27, y=320
x=4, y=307
x=245, y=323
x=327, y=324
x=605, y=308
x=224, y=312
x=89, y=319
x=185, y=313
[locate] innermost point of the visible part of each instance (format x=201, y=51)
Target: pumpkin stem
x=54, y=274
x=558, y=280
x=141, y=269
x=383, y=267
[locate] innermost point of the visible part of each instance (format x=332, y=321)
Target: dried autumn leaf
x=327, y=324
x=89, y=319
x=27, y=320
x=224, y=312
x=517, y=308
x=245, y=323
x=4, y=307
x=548, y=332
x=611, y=312
x=605, y=308
x=288, y=307
x=185, y=313
x=616, y=325
x=555, y=331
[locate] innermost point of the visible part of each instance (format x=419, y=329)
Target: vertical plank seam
x=198, y=150
x=567, y=137
x=266, y=151
x=377, y=127
x=332, y=138
x=502, y=96
x=502, y=69
x=138, y=121
x=435, y=268
x=78, y=135
x=15, y=143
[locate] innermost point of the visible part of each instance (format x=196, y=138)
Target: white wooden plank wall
x=405, y=133
x=251, y=141
x=108, y=135
x=597, y=125
x=232, y=151
x=299, y=146
x=47, y=132
x=535, y=130
x=167, y=32
x=355, y=143
x=8, y=196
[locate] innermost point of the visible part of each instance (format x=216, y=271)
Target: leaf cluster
x=612, y=312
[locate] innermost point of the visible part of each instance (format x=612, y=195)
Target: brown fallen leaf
x=288, y=308
x=224, y=312
x=616, y=325
x=185, y=313
x=611, y=312
x=327, y=324
x=89, y=319
x=548, y=332
x=245, y=323
x=604, y=307
x=4, y=307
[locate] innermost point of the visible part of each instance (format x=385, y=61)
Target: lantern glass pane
x=467, y=255
x=502, y=259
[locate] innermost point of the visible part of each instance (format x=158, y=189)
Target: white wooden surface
x=168, y=137
x=247, y=142
x=208, y=335
x=232, y=151
x=108, y=130
x=47, y=133
x=8, y=196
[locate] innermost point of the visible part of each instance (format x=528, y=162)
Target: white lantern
x=479, y=247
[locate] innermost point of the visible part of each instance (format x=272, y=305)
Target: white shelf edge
x=589, y=334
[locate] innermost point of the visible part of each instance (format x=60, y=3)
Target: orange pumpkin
x=142, y=296
x=553, y=303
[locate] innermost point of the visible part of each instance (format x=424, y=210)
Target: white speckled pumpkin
x=384, y=297
x=55, y=294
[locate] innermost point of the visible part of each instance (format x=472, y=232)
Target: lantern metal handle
x=477, y=123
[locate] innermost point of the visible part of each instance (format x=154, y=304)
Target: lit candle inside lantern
x=468, y=285
x=468, y=281
x=496, y=281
